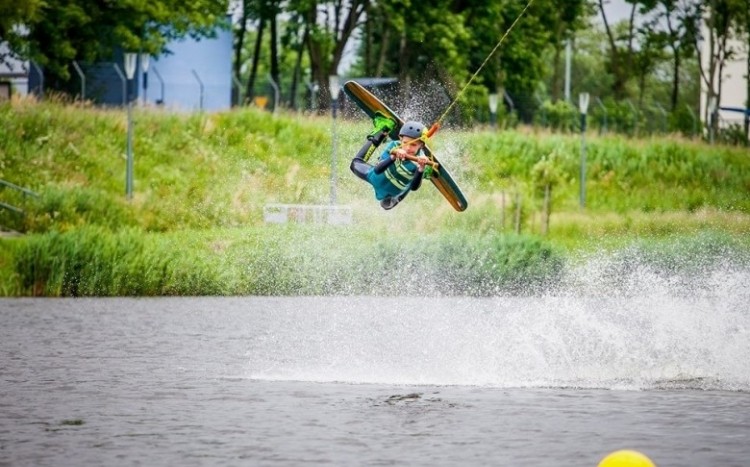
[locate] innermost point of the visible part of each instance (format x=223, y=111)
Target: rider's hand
x=398, y=154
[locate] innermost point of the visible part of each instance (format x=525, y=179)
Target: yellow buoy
x=626, y=458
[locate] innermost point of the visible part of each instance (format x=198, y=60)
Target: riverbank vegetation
x=195, y=223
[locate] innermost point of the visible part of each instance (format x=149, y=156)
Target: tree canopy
x=53, y=33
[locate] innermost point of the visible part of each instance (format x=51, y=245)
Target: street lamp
x=583, y=105
x=493, y=109
x=144, y=67
x=130, y=62
x=333, y=86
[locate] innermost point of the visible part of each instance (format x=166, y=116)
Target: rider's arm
x=386, y=159
x=416, y=182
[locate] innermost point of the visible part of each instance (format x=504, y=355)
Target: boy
x=401, y=164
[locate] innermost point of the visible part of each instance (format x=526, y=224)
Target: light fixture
x=130, y=61
x=583, y=102
x=494, y=98
x=333, y=86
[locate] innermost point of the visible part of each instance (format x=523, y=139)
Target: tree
x=519, y=63
x=13, y=15
x=652, y=44
x=256, y=60
x=383, y=21
x=563, y=23
x=54, y=33
x=401, y=39
x=621, y=49
x=240, y=32
x=676, y=15
x=329, y=27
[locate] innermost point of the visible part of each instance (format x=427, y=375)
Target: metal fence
x=106, y=84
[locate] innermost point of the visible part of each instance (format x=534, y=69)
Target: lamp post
x=144, y=67
x=583, y=105
x=130, y=62
x=333, y=86
x=493, y=109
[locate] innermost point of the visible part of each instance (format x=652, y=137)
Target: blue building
x=196, y=74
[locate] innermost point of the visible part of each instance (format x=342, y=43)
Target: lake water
x=559, y=380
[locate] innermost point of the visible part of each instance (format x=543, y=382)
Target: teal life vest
x=396, y=177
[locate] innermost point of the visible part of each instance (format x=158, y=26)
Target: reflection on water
x=362, y=380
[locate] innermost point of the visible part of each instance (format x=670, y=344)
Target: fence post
x=508, y=99
x=664, y=123
x=603, y=125
x=542, y=110
x=635, y=116
x=39, y=71
x=276, y=93
x=83, y=80
x=200, y=83
x=161, y=83
x=124, y=82
x=238, y=85
x=694, y=126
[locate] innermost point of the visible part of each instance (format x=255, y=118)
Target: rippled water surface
x=546, y=381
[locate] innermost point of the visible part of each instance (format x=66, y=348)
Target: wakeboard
x=440, y=177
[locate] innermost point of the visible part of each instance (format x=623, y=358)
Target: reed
x=92, y=261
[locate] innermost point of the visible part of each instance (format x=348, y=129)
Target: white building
x=14, y=74
x=734, y=99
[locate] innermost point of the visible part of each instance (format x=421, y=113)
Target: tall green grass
x=92, y=261
x=311, y=260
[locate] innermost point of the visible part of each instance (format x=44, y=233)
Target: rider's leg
x=383, y=126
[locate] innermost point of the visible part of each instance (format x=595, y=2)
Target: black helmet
x=412, y=129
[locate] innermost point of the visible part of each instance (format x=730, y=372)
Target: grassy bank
x=195, y=223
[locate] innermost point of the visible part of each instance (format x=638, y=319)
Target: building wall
x=733, y=86
x=734, y=89
x=191, y=62
x=13, y=71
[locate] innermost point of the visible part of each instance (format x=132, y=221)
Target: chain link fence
x=105, y=84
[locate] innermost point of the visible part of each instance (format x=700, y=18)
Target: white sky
x=617, y=10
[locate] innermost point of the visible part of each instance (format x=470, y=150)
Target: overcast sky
x=617, y=10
